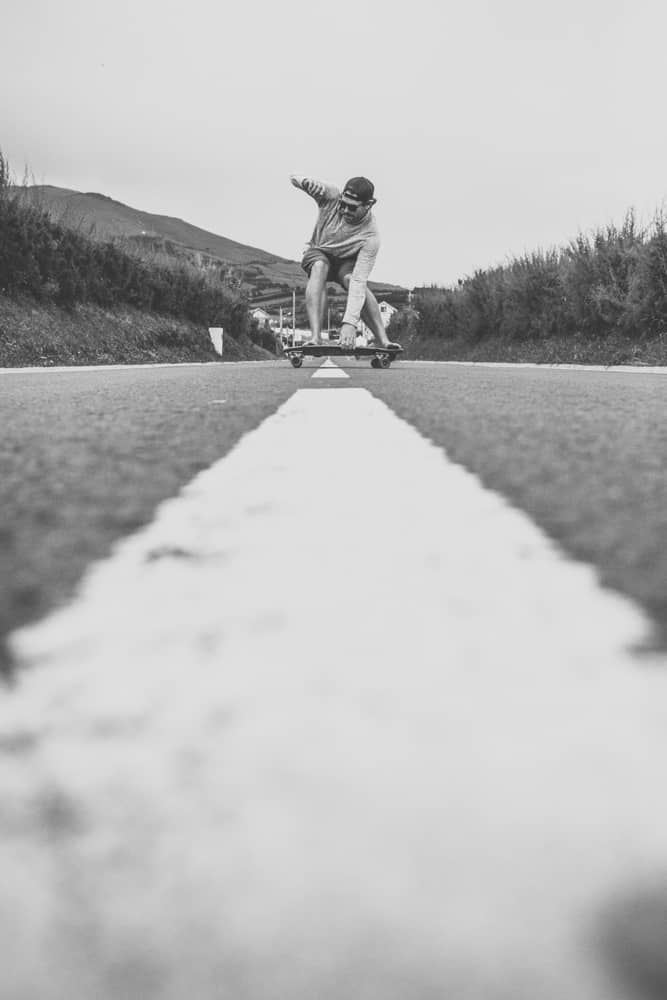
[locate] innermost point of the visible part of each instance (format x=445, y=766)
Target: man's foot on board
x=377, y=345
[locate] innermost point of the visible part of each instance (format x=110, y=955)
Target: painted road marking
x=340, y=720
x=635, y=369
x=650, y=369
x=59, y=369
x=329, y=370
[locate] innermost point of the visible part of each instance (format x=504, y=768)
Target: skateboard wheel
x=385, y=362
x=296, y=362
x=375, y=362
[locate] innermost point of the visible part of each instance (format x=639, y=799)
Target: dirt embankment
x=35, y=334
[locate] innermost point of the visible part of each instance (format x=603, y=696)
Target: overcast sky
x=489, y=127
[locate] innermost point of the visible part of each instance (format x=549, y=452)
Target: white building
x=387, y=312
x=261, y=315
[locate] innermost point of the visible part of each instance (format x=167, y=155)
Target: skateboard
x=381, y=357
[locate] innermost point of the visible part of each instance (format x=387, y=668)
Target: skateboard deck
x=381, y=357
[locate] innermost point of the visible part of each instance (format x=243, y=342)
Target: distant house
x=387, y=312
x=262, y=316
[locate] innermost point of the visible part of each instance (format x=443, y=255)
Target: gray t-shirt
x=338, y=238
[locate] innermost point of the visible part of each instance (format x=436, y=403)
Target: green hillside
x=264, y=277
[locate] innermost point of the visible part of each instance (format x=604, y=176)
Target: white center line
x=330, y=370
x=340, y=722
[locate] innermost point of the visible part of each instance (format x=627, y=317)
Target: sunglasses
x=352, y=206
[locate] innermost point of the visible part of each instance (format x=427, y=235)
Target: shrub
x=46, y=260
x=613, y=281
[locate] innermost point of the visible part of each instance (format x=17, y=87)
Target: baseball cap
x=360, y=188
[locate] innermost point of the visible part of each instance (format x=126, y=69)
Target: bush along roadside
x=42, y=334
x=46, y=266
x=602, y=299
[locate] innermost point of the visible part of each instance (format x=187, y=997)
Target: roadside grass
x=554, y=350
x=43, y=334
x=57, y=266
x=601, y=299
x=72, y=296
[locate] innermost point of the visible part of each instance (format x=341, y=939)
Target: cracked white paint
x=339, y=723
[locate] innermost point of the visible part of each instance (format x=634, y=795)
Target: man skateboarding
x=343, y=248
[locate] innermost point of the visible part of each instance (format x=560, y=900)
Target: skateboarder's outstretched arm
x=356, y=295
x=318, y=190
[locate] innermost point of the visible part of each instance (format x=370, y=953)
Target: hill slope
x=266, y=277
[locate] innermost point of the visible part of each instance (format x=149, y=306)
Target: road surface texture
x=333, y=683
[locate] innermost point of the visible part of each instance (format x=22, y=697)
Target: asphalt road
x=275, y=747
x=85, y=457
x=583, y=452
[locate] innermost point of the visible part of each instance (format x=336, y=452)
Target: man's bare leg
x=372, y=317
x=325, y=308
x=316, y=297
